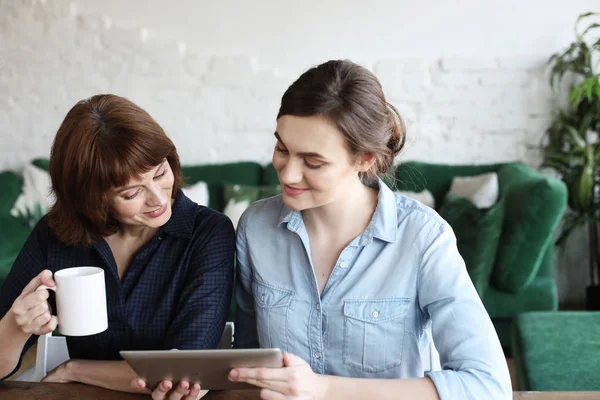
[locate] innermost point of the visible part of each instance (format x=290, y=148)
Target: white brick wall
x=219, y=107
x=468, y=77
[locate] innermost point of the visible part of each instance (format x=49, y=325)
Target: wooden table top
x=10, y=390
x=68, y=391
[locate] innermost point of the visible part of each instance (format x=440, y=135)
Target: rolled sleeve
x=28, y=264
x=473, y=364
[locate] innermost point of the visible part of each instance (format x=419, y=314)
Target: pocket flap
x=375, y=311
x=268, y=296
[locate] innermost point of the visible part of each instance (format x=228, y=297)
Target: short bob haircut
x=103, y=142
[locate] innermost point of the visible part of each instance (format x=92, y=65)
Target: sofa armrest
x=533, y=207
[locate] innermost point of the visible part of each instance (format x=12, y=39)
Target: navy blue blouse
x=175, y=294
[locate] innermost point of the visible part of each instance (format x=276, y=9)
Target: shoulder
x=264, y=213
x=418, y=219
x=207, y=220
x=42, y=233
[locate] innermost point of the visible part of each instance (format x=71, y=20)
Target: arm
x=246, y=335
x=199, y=321
x=473, y=364
x=117, y=375
x=205, y=297
x=381, y=389
x=23, y=311
x=114, y=375
x=298, y=381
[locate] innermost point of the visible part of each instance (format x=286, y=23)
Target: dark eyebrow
x=304, y=154
x=133, y=186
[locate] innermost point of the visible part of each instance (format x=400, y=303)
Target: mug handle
x=53, y=311
x=46, y=287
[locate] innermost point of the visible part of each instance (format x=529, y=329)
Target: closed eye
x=161, y=175
x=132, y=196
x=281, y=150
x=312, y=166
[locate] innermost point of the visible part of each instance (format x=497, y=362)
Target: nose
x=291, y=172
x=156, y=196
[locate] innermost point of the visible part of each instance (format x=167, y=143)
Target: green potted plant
x=572, y=142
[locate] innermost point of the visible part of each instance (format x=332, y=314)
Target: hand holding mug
x=31, y=310
x=80, y=300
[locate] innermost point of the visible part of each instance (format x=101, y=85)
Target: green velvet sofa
x=523, y=277
x=523, y=270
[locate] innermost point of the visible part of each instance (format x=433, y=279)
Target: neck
x=345, y=218
x=136, y=232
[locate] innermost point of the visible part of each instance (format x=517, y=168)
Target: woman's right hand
x=31, y=311
x=165, y=390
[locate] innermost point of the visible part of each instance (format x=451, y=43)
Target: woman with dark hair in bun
x=349, y=279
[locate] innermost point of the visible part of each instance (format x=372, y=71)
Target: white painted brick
x=505, y=78
x=455, y=79
x=457, y=64
x=223, y=108
x=400, y=66
x=407, y=80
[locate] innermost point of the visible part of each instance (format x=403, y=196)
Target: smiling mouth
x=292, y=191
x=156, y=213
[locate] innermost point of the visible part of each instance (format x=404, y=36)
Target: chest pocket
x=271, y=306
x=374, y=333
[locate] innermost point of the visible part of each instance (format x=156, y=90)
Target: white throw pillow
x=35, y=196
x=198, y=193
x=424, y=196
x=234, y=210
x=481, y=190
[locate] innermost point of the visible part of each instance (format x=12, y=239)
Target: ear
x=365, y=162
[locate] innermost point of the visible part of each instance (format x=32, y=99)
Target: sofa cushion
x=198, y=193
x=482, y=190
x=437, y=178
x=239, y=197
x=533, y=207
x=557, y=351
x=477, y=235
x=216, y=175
x=541, y=294
x=36, y=198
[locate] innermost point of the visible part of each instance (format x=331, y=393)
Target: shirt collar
x=383, y=224
x=183, y=217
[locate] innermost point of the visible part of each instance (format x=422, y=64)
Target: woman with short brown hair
x=168, y=262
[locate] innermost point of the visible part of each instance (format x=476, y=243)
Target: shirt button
x=159, y=238
x=317, y=355
x=375, y=314
x=262, y=298
x=342, y=264
x=318, y=307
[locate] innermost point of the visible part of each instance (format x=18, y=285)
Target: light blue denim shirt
x=395, y=288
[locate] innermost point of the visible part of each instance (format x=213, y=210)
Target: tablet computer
x=209, y=368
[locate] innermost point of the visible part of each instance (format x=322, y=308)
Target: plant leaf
x=578, y=141
x=592, y=26
x=582, y=16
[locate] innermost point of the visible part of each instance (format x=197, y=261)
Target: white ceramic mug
x=80, y=301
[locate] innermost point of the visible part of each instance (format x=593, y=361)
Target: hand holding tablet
x=209, y=368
